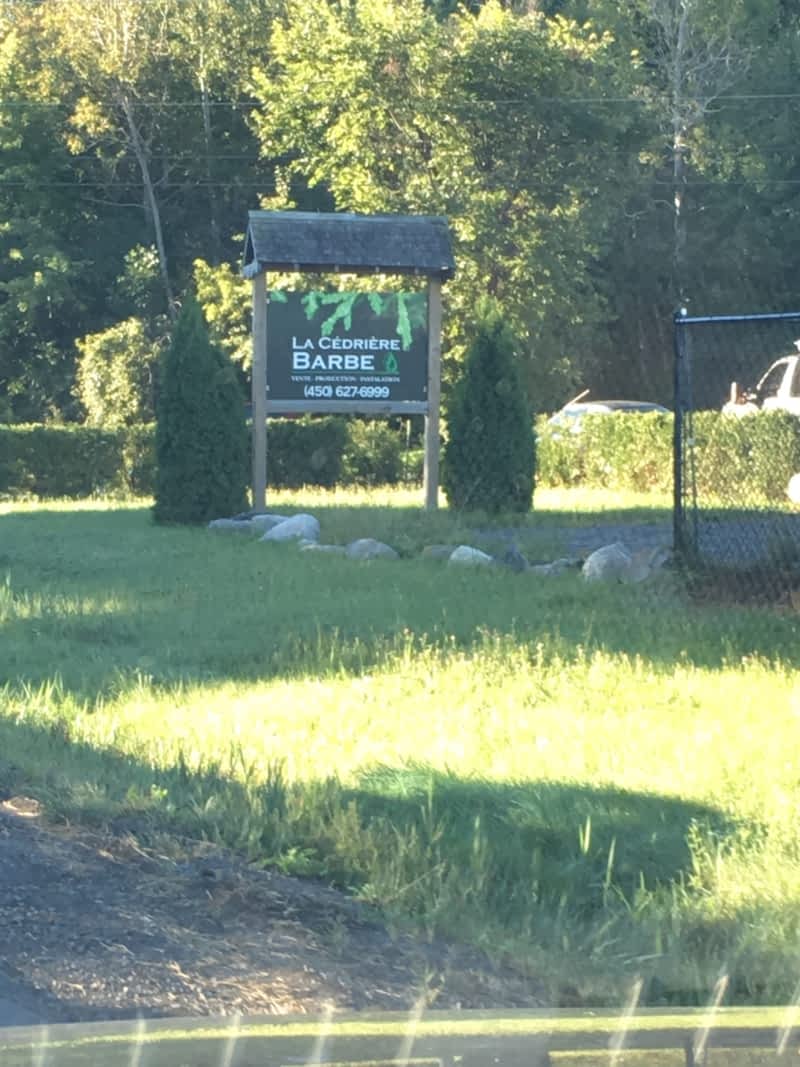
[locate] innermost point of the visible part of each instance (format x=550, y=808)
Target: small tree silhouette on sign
x=489, y=459
x=201, y=434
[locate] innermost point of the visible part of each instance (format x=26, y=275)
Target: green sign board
x=333, y=347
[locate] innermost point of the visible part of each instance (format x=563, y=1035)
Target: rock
x=609, y=563
x=333, y=550
x=646, y=562
x=368, y=548
x=470, y=557
x=558, y=566
x=266, y=522
x=249, y=515
x=296, y=528
x=616, y=563
x=438, y=551
x=514, y=559
x=232, y=526
x=247, y=523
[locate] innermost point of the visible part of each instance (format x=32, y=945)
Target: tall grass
x=592, y=782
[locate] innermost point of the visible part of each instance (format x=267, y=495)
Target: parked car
x=571, y=415
x=777, y=390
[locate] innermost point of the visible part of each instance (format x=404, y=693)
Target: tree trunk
x=679, y=131
x=150, y=200
x=679, y=260
x=216, y=244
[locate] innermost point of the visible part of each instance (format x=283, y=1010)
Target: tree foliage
x=115, y=380
x=489, y=456
x=597, y=161
x=201, y=435
x=394, y=110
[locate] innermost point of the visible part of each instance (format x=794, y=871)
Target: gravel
x=580, y=541
x=744, y=540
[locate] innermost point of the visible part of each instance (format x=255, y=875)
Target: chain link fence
x=737, y=451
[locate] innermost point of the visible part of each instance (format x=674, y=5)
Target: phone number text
x=346, y=392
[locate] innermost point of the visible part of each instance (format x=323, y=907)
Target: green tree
x=118, y=52
x=225, y=299
x=489, y=458
x=46, y=276
x=201, y=435
x=217, y=42
x=705, y=216
x=392, y=109
x=115, y=381
x=113, y=133
x=157, y=105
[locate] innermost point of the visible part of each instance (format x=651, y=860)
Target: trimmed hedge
x=305, y=451
x=745, y=460
x=79, y=461
x=739, y=460
x=617, y=451
x=75, y=461
x=373, y=454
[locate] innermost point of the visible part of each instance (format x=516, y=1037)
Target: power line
x=114, y=184
x=790, y=149
x=138, y=103
x=268, y=187
x=648, y=99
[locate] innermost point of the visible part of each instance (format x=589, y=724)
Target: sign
x=344, y=346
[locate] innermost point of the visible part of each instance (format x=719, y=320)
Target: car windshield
x=770, y=384
x=399, y=596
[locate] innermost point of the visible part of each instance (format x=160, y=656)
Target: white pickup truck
x=778, y=390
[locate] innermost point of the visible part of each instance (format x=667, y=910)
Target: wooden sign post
x=431, y=467
x=259, y=391
x=366, y=378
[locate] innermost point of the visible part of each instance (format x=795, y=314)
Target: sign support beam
x=431, y=468
x=356, y=359
x=259, y=391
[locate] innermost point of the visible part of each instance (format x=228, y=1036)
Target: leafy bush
x=373, y=454
x=618, y=451
x=115, y=375
x=748, y=459
x=49, y=461
x=490, y=454
x=138, y=457
x=201, y=435
x=738, y=461
x=54, y=461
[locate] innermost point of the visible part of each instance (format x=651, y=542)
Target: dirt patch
x=97, y=927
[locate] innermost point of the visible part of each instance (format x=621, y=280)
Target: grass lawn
x=592, y=782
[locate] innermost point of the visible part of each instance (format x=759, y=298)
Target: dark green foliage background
x=374, y=454
x=201, y=435
x=489, y=458
x=537, y=133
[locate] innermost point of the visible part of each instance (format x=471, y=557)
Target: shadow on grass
x=540, y=871
x=103, y=601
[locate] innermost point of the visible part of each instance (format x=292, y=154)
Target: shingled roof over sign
x=351, y=244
